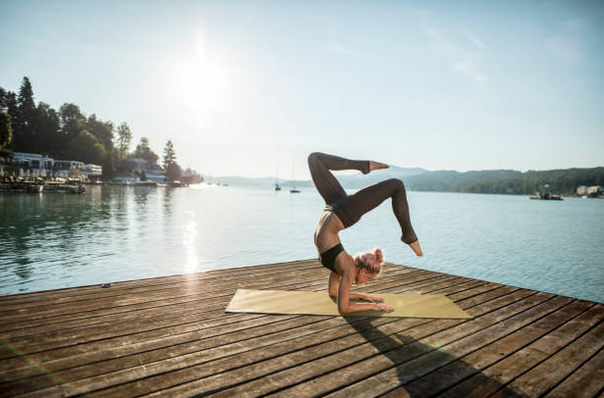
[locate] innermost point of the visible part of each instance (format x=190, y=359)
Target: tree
x=173, y=170
x=144, y=151
x=101, y=130
x=23, y=118
x=87, y=148
x=47, y=125
x=6, y=130
x=109, y=164
x=72, y=123
x=169, y=155
x=123, y=141
x=3, y=98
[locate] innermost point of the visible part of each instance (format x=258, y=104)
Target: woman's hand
x=373, y=299
x=384, y=307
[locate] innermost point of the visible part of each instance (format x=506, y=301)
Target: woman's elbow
x=343, y=310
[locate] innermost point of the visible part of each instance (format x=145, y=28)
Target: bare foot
x=415, y=247
x=377, y=166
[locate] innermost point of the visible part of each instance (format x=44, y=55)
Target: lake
x=114, y=233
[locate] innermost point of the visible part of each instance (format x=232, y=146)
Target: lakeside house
x=592, y=191
x=40, y=165
x=153, y=172
x=126, y=178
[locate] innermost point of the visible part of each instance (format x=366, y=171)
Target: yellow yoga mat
x=319, y=303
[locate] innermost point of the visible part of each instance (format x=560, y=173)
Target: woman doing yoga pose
x=342, y=211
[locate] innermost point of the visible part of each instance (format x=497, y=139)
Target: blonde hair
x=371, y=261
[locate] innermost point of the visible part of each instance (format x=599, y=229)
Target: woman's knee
x=396, y=183
x=313, y=159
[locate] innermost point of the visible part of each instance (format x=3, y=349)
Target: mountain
x=564, y=181
x=348, y=181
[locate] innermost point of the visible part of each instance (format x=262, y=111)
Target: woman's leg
x=328, y=186
x=369, y=198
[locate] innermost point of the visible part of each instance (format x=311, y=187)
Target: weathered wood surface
x=171, y=337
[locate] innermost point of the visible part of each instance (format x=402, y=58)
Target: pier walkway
x=170, y=337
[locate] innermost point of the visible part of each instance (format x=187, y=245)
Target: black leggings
x=350, y=208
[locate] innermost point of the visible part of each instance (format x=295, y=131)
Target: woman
x=342, y=211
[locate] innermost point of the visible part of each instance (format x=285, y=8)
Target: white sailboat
x=293, y=190
x=277, y=187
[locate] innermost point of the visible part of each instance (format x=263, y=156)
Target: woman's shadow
x=414, y=362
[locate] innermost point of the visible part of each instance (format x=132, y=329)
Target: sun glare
x=201, y=80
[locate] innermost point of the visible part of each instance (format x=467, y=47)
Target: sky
x=250, y=88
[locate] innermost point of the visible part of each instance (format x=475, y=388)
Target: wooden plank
x=308, y=359
x=512, y=366
x=545, y=376
x=170, y=337
x=291, y=276
x=141, y=309
x=585, y=382
x=135, y=340
x=162, y=280
x=126, y=297
x=463, y=367
x=129, y=373
x=415, y=355
x=220, y=306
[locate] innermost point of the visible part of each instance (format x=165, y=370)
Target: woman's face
x=363, y=276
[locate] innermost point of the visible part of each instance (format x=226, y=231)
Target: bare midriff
x=326, y=234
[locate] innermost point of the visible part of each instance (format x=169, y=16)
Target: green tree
x=23, y=118
x=169, y=155
x=6, y=130
x=3, y=98
x=144, y=151
x=173, y=172
x=87, y=148
x=72, y=122
x=47, y=125
x=101, y=130
x=123, y=141
x=109, y=164
x=172, y=169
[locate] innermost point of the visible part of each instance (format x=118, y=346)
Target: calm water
x=115, y=233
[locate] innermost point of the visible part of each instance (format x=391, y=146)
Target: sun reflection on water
x=191, y=263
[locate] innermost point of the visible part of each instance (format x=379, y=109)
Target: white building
x=63, y=168
x=34, y=161
x=153, y=172
x=126, y=178
x=93, y=171
x=595, y=190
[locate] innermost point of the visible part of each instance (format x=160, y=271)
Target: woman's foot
x=415, y=247
x=377, y=166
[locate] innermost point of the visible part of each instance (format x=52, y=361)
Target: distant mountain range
x=563, y=181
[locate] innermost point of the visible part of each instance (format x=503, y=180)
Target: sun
x=201, y=79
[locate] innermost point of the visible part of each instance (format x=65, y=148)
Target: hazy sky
x=244, y=87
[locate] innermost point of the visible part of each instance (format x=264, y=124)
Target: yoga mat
x=319, y=303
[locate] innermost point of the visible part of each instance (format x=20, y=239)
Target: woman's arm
x=364, y=297
x=334, y=282
x=344, y=296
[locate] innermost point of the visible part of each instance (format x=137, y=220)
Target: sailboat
x=293, y=190
x=277, y=187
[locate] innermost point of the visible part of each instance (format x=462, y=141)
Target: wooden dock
x=170, y=337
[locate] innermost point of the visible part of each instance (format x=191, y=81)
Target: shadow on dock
x=411, y=357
